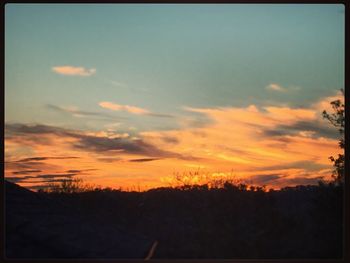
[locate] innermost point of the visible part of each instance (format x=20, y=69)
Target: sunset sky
x=127, y=95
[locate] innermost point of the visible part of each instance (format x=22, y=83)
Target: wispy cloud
x=41, y=178
x=64, y=175
x=74, y=71
x=80, y=171
x=27, y=171
x=46, y=158
x=279, y=88
x=310, y=165
x=275, y=87
x=86, y=141
x=127, y=108
x=118, y=84
x=289, y=114
x=142, y=160
x=324, y=104
x=21, y=166
x=75, y=112
x=262, y=179
x=303, y=128
x=131, y=109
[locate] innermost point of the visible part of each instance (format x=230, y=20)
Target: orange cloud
x=74, y=71
x=324, y=104
x=236, y=139
x=282, y=114
x=119, y=107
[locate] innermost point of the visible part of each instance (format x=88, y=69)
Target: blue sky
x=164, y=59
x=167, y=56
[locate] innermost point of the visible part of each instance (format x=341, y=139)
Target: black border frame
x=346, y=199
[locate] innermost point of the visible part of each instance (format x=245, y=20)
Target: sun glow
x=248, y=141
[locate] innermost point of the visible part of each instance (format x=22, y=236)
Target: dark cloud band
x=319, y=130
x=89, y=143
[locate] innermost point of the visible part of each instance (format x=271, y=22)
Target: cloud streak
x=131, y=109
x=38, y=177
x=79, y=113
x=86, y=141
x=314, y=129
x=27, y=171
x=119, y=107
x=142, y=160
x=74, y=71
x=275, y=87
x=262, y=179
x=46, y=158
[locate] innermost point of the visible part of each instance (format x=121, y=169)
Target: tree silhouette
x=337, y=119
x=68, y=186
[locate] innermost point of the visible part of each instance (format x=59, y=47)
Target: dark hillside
x=197, y=222
x=44, y=226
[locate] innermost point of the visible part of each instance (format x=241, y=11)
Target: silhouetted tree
x=69, y=186
x=337, y=119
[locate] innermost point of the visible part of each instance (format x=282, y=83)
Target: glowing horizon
x=270, y=142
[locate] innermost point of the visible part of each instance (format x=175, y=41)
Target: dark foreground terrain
x=196, y=222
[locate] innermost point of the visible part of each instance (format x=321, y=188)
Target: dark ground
x=197, y=222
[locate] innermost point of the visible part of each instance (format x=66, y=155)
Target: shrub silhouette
x=234, y=221
x=337, y=119
x=69, y=186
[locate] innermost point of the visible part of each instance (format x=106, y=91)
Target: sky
x=131, y=95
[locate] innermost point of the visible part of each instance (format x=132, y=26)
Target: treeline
x=230, y=221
